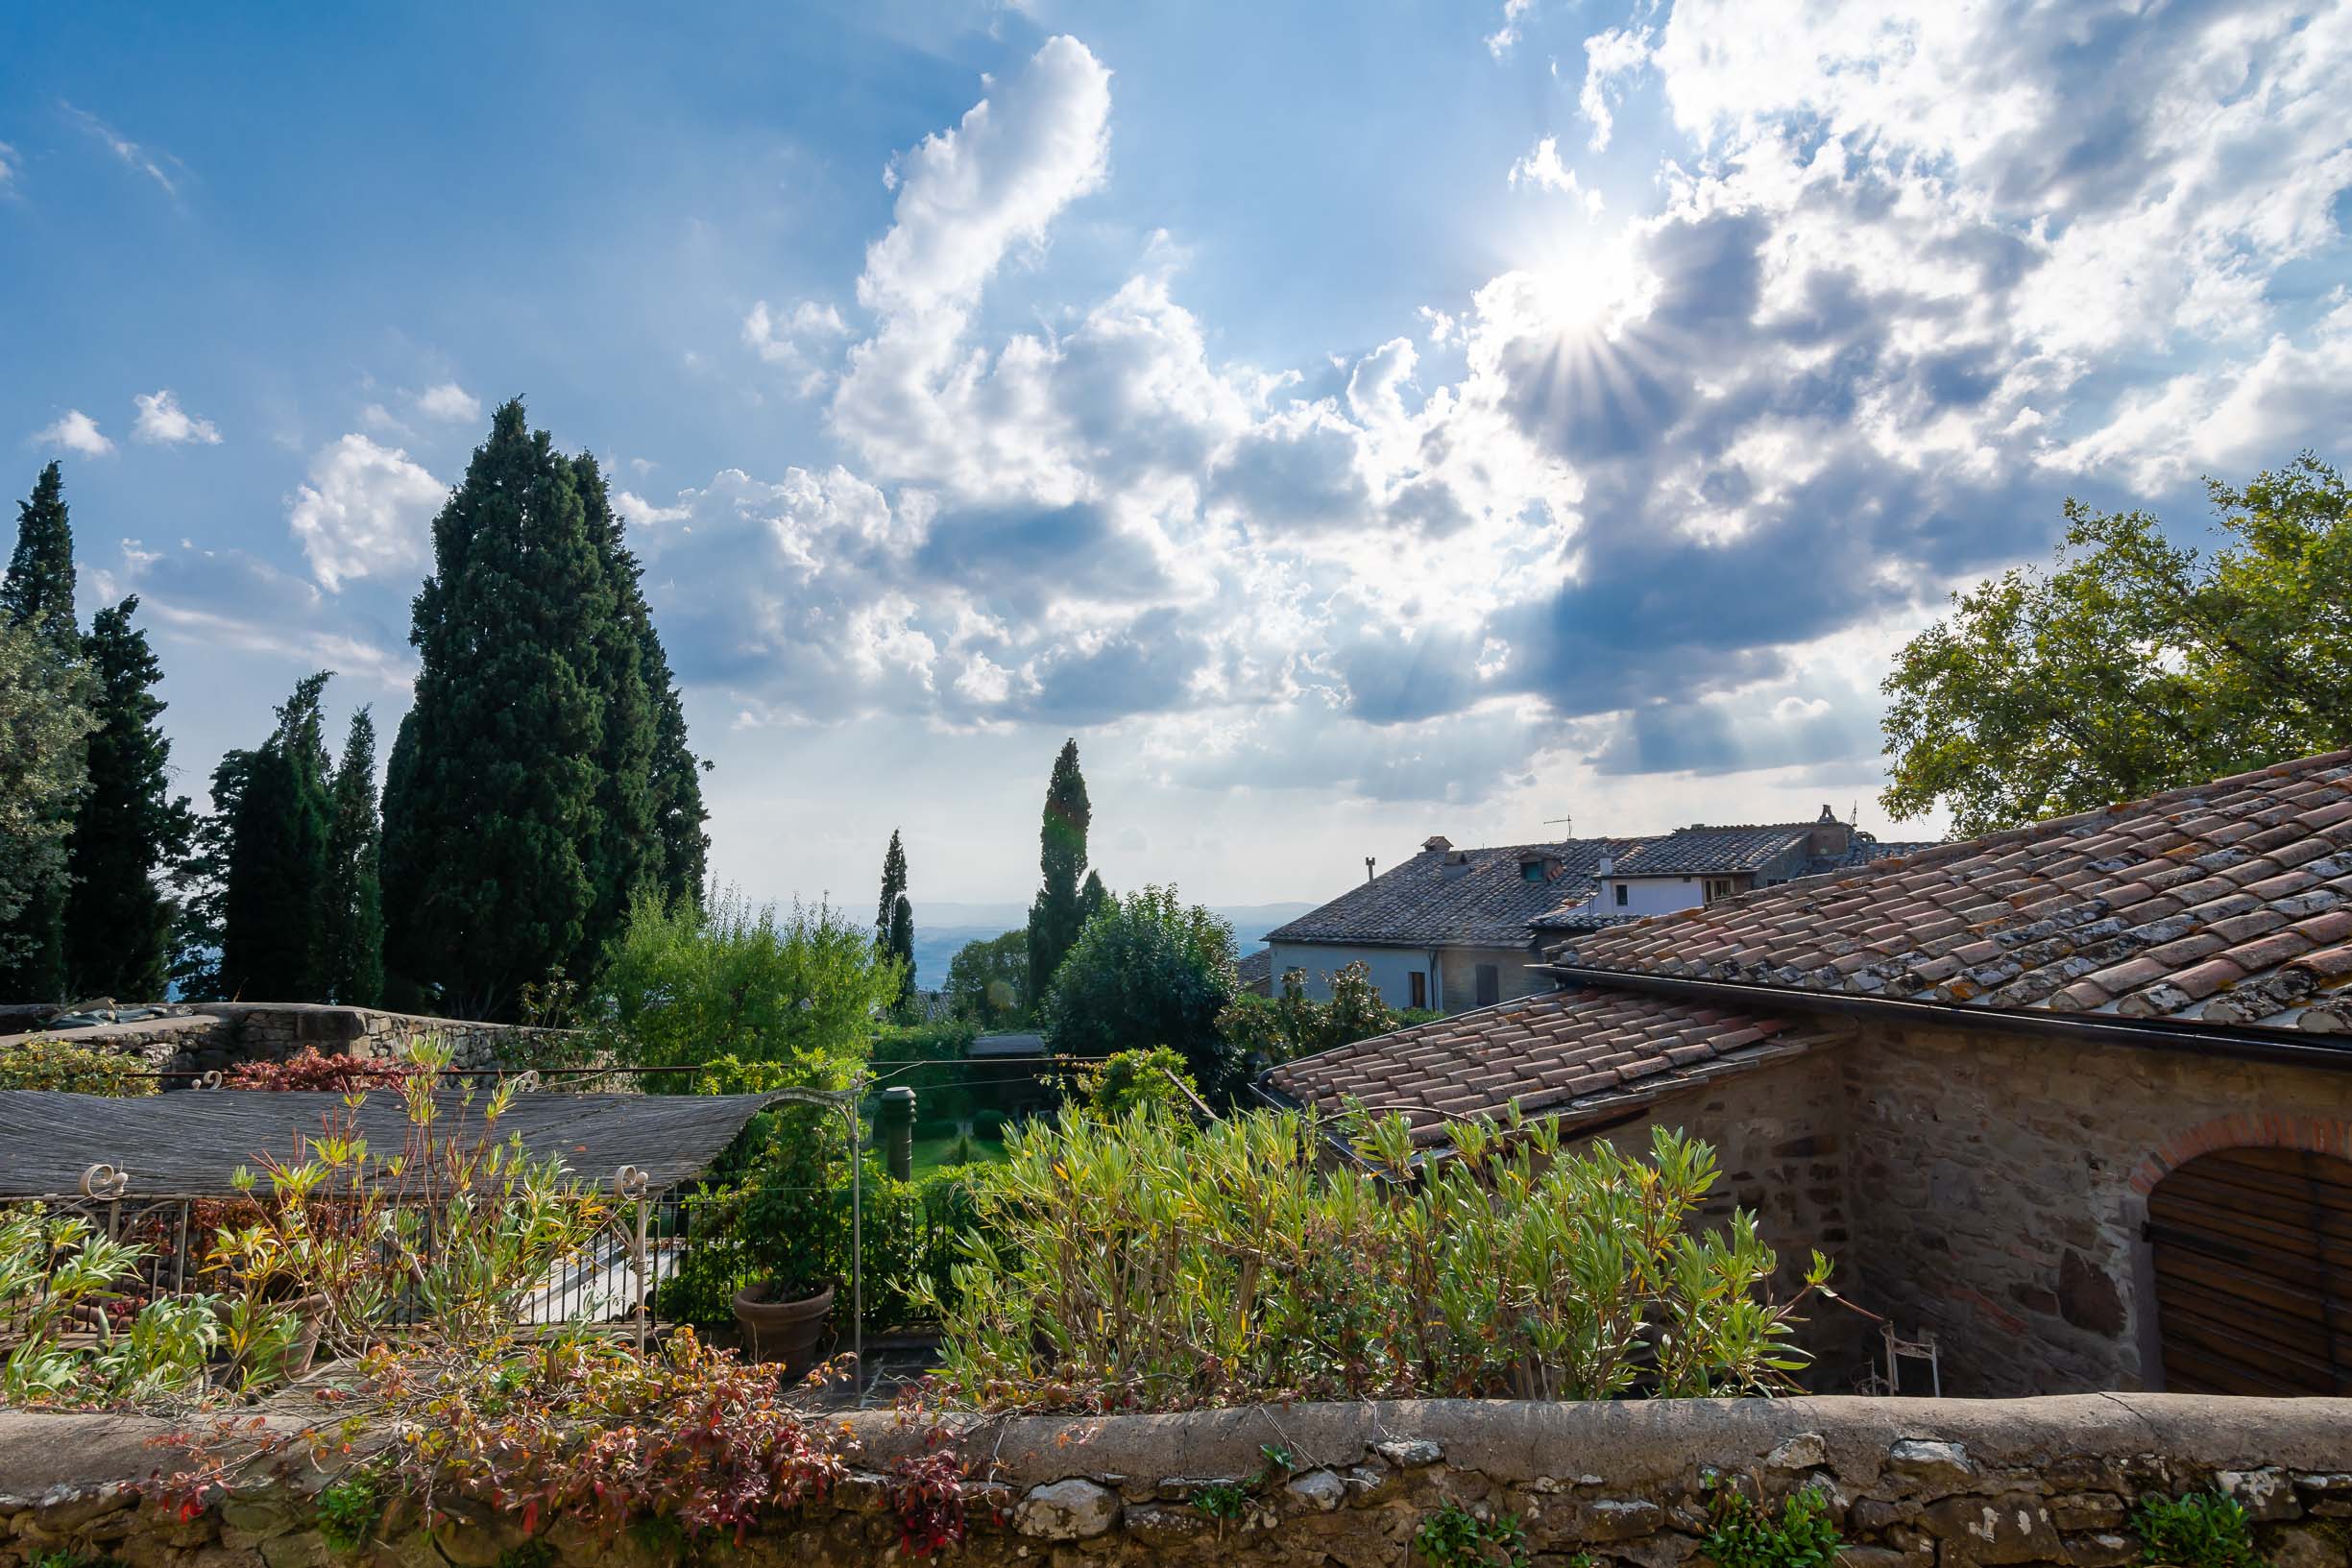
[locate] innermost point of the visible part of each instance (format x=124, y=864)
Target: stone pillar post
x=897, y=1119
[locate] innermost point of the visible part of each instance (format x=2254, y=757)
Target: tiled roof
x=1484, y=900
x=2228, y=902
x=1688, y=851
x=1576, y=1055
x=1257, y=969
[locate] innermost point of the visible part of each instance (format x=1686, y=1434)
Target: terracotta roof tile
x=2161, y=899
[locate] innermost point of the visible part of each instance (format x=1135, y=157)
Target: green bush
x=349, y=1508
x=1126, y=1079
x=1283, y=1028
x=800, y=992
x=58, y=1064
x=1455, y=1537
x=1742, y=1536
x=1142, y=1261
x=2203, y=1530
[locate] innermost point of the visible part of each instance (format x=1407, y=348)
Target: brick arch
x=2314, y=1134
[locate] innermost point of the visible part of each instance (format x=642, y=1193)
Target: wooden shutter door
x=2253, y=1254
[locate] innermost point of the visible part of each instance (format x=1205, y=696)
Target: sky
x=1351, y=423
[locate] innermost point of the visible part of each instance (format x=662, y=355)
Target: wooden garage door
x=2253, y=1251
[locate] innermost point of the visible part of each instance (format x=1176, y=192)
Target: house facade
x=2072, y=1103
x=1453, y=928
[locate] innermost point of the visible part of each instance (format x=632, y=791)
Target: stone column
x=897, y=1119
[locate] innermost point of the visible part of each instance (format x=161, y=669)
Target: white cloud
x=75, y=432
x=163, y=421
x=1609, y=59
x=367, y=511
x=450, y=404
x=9, y=166
x=144, y=160
x=1543, y=169
x=1504, y=38
x=797, y=342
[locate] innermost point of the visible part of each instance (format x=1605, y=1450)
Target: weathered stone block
x=1318, y=1490
x=2304, y=1546
x=2013, y=1528
x=1618, y=1519
x=2266, y=1494
x=2079, y=1511
x=1931, y=1462
x=1803, y=1452
x=1409, y=1453
x=2102, y=1549
x=1062, y=1511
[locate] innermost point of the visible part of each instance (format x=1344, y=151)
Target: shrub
x=349, y=1508
x=688, y=986
x=1455, y=1537
x=1126, y=1080
x=1141, y=1262
x=1283, y=1028
x=309, y=1068
x=1149, y=970
x=2203, y=1530
x=76, y=1068
x=1740, y=1534
x=57, y=1270
x=987, y=982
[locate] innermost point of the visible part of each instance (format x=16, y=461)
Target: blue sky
x=1352, y=423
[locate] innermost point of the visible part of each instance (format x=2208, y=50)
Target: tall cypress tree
x=38, y=591
x=118, y=921
x=894, y=916
x=491, y=827
x=677, y=785
x=202, y=880
x=353, y=940
x=38, y=595
x=1059, y=908
x=276, y=889
x=625, y=858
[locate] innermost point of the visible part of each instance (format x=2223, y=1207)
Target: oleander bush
x=1137, y=1261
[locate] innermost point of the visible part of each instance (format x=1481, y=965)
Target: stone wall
x=1911, y=1484
x=2001, y=1185
x=221, y=1035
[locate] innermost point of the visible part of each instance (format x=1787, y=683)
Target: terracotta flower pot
x=783, y=1331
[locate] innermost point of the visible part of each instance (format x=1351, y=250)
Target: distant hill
x=940, y=929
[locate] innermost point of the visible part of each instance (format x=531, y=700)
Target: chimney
x=1436, y=841
x=1605, y=866
x=1831, y=837
x=1367, y=868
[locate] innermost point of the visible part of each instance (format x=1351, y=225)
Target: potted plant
x=795, y=1228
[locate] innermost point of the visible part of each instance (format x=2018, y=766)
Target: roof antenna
x=1567, y=822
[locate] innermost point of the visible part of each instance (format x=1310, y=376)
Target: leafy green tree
x=202, y=882
x=38, y=595
x=353, y=940
x=494, y=858
x=1126, y=1080
x=45, y=718
x=987, y=982
x=275, y=893
x=2134, y=664
x=1061, y=908
x=689, y=986
x=1149, y=970
x=130, y=831
x=894, y=917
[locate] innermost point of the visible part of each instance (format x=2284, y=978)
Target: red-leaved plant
x=309, y=1068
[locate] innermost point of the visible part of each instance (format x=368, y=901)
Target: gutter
x=2187, y=1037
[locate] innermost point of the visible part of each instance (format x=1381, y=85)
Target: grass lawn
x=931, y=1153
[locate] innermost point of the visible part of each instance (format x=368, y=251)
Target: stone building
x=2072, y=1099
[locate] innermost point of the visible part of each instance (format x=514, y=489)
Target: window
x=1489, y=985
x=1718, y=888
x=1620, y=895
x=1531, y=870
x=1421, y=988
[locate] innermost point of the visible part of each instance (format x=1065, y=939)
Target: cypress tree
x=38, y=591
x=493, y=850
x=202, y=880
x=276, y=889
x=894, y=917
x=352, y=941
x=677, y=785
x=1060, y=908
x=118, y=921
x=625, y=858
x=44, y=717
x=38, y=595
